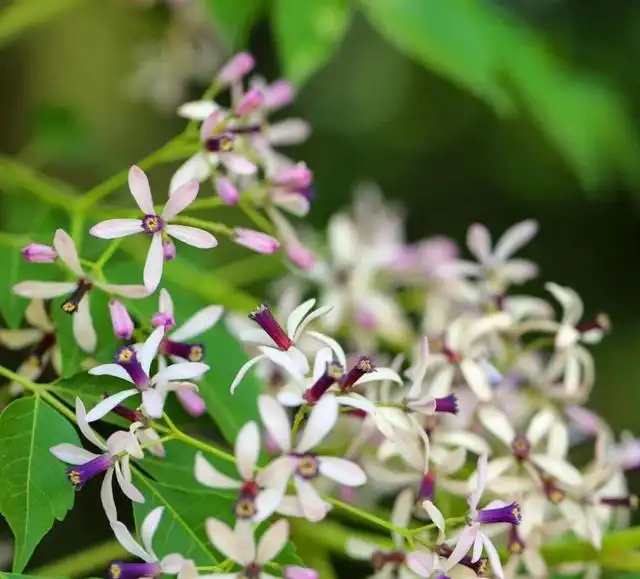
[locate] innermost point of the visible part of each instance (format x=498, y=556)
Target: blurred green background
x=462, y=110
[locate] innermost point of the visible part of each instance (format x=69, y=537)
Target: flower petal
x=196, y=168
x=466, y=539
x=277, y=473
x=72, y=454
x=153, y=403
x=114, y=228
x=114, y=370
x=130, y=491
x=67, y=251
x=181, y=198
x=19, y=339
x=297, y=315
x=197, y=110
x=83, y=330
x=267, y=502
x=200, y=322
x=43, y=289
x=140, y=190
x=496, y=422
x=149, y=527
x=321, y=421
x=558, y=468
x=243, y=370
x=341, y=470
x=493, y=556
x=476, y=380
x=272, y=542
x=380, y=375
x=238, y=164
x=181, y=371
x=192, y=236
x=107, y=498
x=420, y=563
x=211, y=477
x=479, y=242
x=154, y=264
x=314, y=508
x=333, y=344
x=276, y=421
x=125, y=538
x=83, y=425
x=514, y=238
x=540, y=425
x=239, y=546
x=134, y=292
x=108, y=404
x=149, y=350
x=247, y=450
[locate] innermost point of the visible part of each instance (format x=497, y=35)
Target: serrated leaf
x=34, y=490
x=234, y=19
x=308, y=33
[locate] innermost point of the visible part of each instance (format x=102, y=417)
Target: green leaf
x=307, y=34
x=72, y=355
x=19, y=576
x=181, y=529
x=34, y=489
x=235, y=18
x=24, y=222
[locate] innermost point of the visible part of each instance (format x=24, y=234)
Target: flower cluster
x=419, y=377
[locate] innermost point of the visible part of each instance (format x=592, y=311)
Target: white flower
x=254, y=503
x=117, y=450
x=300, y=462
x=172, y=564
x=239, y=545
x=80, y=290
x=543, y=424
x=279, y=345
x=156, y=226
x=134, y=366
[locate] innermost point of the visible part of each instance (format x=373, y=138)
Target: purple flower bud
x=127, y=413
x=121, y=320
x=447, y=404
x=278, y=94
x=331, y=375
x=190, y=352
x=168, y=249
x=239, y=65
x=227, y=191
x=296, y=176
x=363, y=366
x=300, y=256
x=163, y=319
x=191, y=401
x=127, y=358
x=255, y=240
x=506, y=514
x=37, y=253
x=79, y=474
x=264, y=318
x=294, y=572
x=249, y=102
x=122, y=570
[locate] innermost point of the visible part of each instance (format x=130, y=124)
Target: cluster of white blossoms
x=390, y=371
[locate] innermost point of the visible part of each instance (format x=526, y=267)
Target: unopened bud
x=37, y=253
x=121, y=320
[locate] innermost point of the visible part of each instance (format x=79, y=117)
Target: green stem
x=77, y=229
x=107, y=254
x=204, y=224
x=262, y=222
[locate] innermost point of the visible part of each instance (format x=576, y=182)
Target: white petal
x=114, y=370
x=277, y=473
x=83, y=425
x=288, y=132
x=200, y=322
x=125, y=538
x=43, y=289
x=153, y=403
x=435, y=515
x=380, y=375
x=197, y=110
x=441, y=382
x=165, y=303
x=173, y=563
x=558, y=440
x=106, y=497
x=209, y=476
x=243, y=370
x=267, y=502
x=466, y=539
x=127, y=487
x=420, y=563
x=154, y=263
x=479, y=242
x=149, y=526
x=323, y=357
x=238, y=546
x=314, y=508
x=494, y=558
x=496, y=422
x=83, y=330
x=514, y=238
x=36, y=315
x=238, y=164
x=342, y=471
x=181, y=198
x=359, y=549
x=140, y=190
x=114, y=228
x=333, y=344
x=569, y=300
x=293, y=203
x=321, y=421
x=108, y=404
x=297, y=315
x=192, y=236
x=196, y=168
x=293, y=361
x=476, y=380
x=19, y=339
x=355, y=400
x=67, y=251
x=539, y=425
x=247, y=450
x=181, y=371
x=72, y=454
x=558, y=468
x=276, y=421
x=134, y=292
x=148, y=351
x=272, y=542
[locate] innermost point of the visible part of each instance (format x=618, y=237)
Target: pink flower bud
x=294, y=177
x=168, y=250
x=121, y=320
x=37, y=253
x=191, y=401
x=239, y=65
x=163, y=319
x=294, y=572
x=260, y=242
x=249, y=102
x=300, y=255
x=278, y=94
x=227, y=191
